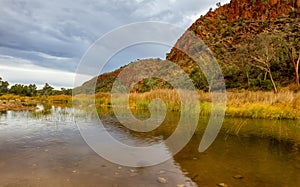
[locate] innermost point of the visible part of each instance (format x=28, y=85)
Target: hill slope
x=254, y=41
x=243, y=22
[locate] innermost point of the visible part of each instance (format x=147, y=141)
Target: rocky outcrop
x=231, y=23
x=262, y=9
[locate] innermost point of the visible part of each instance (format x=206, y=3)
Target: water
x=46, y=149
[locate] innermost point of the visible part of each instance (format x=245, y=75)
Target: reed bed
x=248, y=104
x=33, y=101
x=266, y=105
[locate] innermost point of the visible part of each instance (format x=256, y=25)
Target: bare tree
x=261, y=52
x=291, y=44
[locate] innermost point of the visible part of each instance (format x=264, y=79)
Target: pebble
x=132, y=170
x=162, y=172
x=133, y=174
x=222, y=185
x=74, y=171
x=162, y=180
x=180, y=185
x=119, y=167
x=238, y=177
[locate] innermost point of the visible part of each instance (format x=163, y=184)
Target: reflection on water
x=46, y=149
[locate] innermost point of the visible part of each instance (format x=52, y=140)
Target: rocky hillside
x=256, y=43
x=105, y=81
x=230, y=24
x=238, y=25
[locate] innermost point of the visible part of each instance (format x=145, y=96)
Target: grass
x=16, y=102
x=248, y=104
x=265, y=105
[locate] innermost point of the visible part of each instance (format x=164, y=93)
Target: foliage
x=23, y=90
x=3, y=87
x=261, y=53
x=31, y=90
x=46, y=90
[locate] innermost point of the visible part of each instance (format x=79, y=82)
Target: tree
x=66, y=91
x=3, y=86
x=16, y=89
x=19, y=89
x=296, y=67
x=47, y=90
x=291, y=44
x=32, y=90
x=262, y=52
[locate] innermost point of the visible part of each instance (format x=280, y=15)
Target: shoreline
x=245, y=104
x=14, y=105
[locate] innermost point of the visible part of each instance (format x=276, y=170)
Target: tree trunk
x=273, y=83
x=297, y=71
x=248, y=79
x=297, y=77
x=265, y=77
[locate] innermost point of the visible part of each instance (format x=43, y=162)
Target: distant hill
x=256, y=43
x=105, y=81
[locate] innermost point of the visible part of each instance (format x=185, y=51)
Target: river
x=46, y=149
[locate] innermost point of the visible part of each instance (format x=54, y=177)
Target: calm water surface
x=46, y=149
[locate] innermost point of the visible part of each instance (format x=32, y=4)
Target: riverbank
x=19, y=103
x=265, y=105
x=16, y=106
x=247, y=104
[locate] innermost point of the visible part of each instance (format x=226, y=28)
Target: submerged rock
x=222, y=184
x=238, y=177
x=162, y=172
x=162, y=180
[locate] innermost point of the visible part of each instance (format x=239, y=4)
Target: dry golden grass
x=284, y=98
x=59, y=98
x=33, y=101
x=284, y=105
x=259, y=104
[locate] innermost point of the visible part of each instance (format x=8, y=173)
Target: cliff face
x=262, y=9
x=230, y=24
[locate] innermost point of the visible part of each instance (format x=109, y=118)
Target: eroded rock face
x=259, y=16
x=267, y=9
x=273, y=2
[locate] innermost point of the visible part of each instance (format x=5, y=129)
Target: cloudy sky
x=43, y=41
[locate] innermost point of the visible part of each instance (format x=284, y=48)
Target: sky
x=44, y=41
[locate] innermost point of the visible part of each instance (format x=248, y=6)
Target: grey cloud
x=67, y=28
